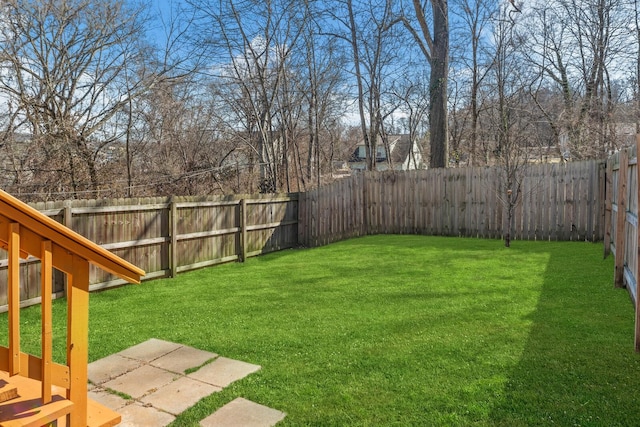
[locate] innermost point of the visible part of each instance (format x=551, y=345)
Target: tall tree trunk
x=436, y=51
x=129, y=160
x=356, y=63
x=438, y=122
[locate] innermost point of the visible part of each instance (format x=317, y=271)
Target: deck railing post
x=46, y=271
x=14, y=298
x=67, y=220
x=78, y=339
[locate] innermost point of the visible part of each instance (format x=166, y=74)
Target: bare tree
x=475, y=62
x=323, y=73
x=413, y=96
x=507, y=117
x=171, y=65
x=636, y=8
x=435, y=47
x=252, y=42
x=372, y=39
x=63, y=63
x=178, y=149
x=577, y=49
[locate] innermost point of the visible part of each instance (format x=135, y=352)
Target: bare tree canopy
x=104, y=99
x=63, y=63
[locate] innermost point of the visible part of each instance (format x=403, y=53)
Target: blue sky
x=161, y=11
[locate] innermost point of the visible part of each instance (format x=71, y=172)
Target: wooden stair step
x=8, y=393
x=99, y=415
x=31, y=413
x=28, y=409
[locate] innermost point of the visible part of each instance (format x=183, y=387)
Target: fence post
x=302, y=220
x=608, y=183
x=67, y=219
x=173, y=235
x=637, y=252
x=600, y=186
x=366, y=220
x=243, y=230
x=621, y=218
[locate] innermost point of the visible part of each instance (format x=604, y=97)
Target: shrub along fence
x=621, y=223
x=166, y=236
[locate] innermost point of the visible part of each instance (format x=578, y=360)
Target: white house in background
x=405, y=155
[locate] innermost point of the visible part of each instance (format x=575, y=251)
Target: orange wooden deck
x=47, y=391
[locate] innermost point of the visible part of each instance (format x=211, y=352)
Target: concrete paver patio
x=153, y=375
x=243, y=412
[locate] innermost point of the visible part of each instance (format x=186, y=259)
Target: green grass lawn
x=397, y=330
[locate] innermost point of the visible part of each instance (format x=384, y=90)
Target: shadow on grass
x=578, y=366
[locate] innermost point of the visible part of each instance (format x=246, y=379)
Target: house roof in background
x=401, y=149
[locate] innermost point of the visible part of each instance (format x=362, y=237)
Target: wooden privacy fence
x=621, y=223
x=558, y=202
x=165, y=236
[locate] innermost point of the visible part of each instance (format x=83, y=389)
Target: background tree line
x=105, y=99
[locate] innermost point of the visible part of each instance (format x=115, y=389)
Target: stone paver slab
x=182, y=359
x=245, y=413
x=135, y=415
x=179, y=395
x=110, y=400
x=222, y=371
x=150, y=350
x=111, y=367
x=152, y=373
x=140, y=381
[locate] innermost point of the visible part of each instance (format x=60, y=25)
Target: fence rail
x=166, y=236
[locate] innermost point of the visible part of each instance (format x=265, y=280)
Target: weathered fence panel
x=557, y=202
x=621, y=222
x=165, y=236
x=332, y=213
x=271, y=224
x=206, y=233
